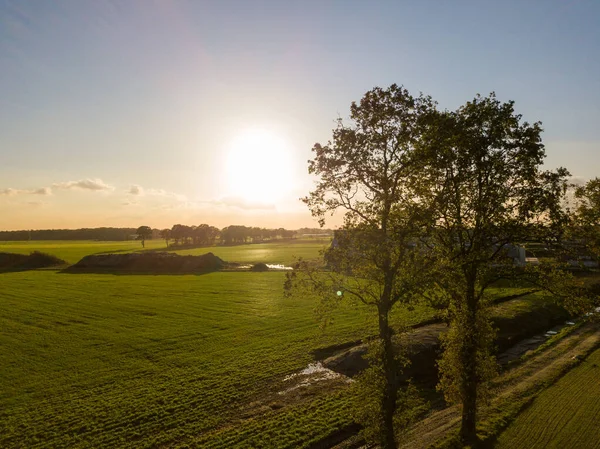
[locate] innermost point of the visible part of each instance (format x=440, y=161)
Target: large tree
x=490, y=193
x=143, y=233
x=367, y=172
x=166, y=234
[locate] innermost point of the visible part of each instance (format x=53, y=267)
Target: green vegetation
x=102, y=360
x=367, y=173
x=144, y=233
x=276, y=252
x=490, y=191
x=73, y=250
x=564, y=415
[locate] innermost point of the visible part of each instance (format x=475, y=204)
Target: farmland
x=91, y=360
x=72, y=251
x=100, y=360
x=564, y=415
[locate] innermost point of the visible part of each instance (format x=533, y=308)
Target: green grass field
x=566, y=415
x=91, y=360
x=100, y=360
x=105, y=360
x=73, y=251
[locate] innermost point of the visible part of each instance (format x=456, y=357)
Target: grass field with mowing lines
x=97, y=360
x=566, y=415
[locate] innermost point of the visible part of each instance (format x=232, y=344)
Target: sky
x=123, y=113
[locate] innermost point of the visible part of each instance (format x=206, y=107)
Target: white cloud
x=242, y=203
x=136, y=190
x=96, y=185
x=154, y=198
x=41, y=191
x=12, y=192
x=165, y=194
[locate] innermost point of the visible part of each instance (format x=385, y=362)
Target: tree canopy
x=143, y=233
x=434, y=203
x=368, y=173
x=488, y=192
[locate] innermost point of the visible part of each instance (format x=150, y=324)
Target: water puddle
x=313, y=373
x=596, y=310
x=270, y=266
x=278, y=267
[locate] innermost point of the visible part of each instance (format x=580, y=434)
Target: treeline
x=206, y=235
x=181, y=234
x=315, y=231
x=104, y=234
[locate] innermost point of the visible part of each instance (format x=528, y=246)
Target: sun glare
x=259, y=166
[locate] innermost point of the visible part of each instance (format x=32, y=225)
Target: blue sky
x=123, y=113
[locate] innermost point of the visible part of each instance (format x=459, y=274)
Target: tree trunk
x=468, y=429
x=388, y=404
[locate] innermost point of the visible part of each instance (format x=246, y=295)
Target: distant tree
x=178, y=233
x=236, y=234
x=226, y=236
x=205, y=235
x=143, y=233
x=369, y=172
x=212, y=234
x=166, y=234
x=490, y=192
x=188, y=233
x=286, y=234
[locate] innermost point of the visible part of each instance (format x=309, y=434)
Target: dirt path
x=523, y=379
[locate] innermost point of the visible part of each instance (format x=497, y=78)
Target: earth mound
x=259, y=267
x=20, y=262
x=149, y=262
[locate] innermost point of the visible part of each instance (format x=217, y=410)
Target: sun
x=259, y=166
